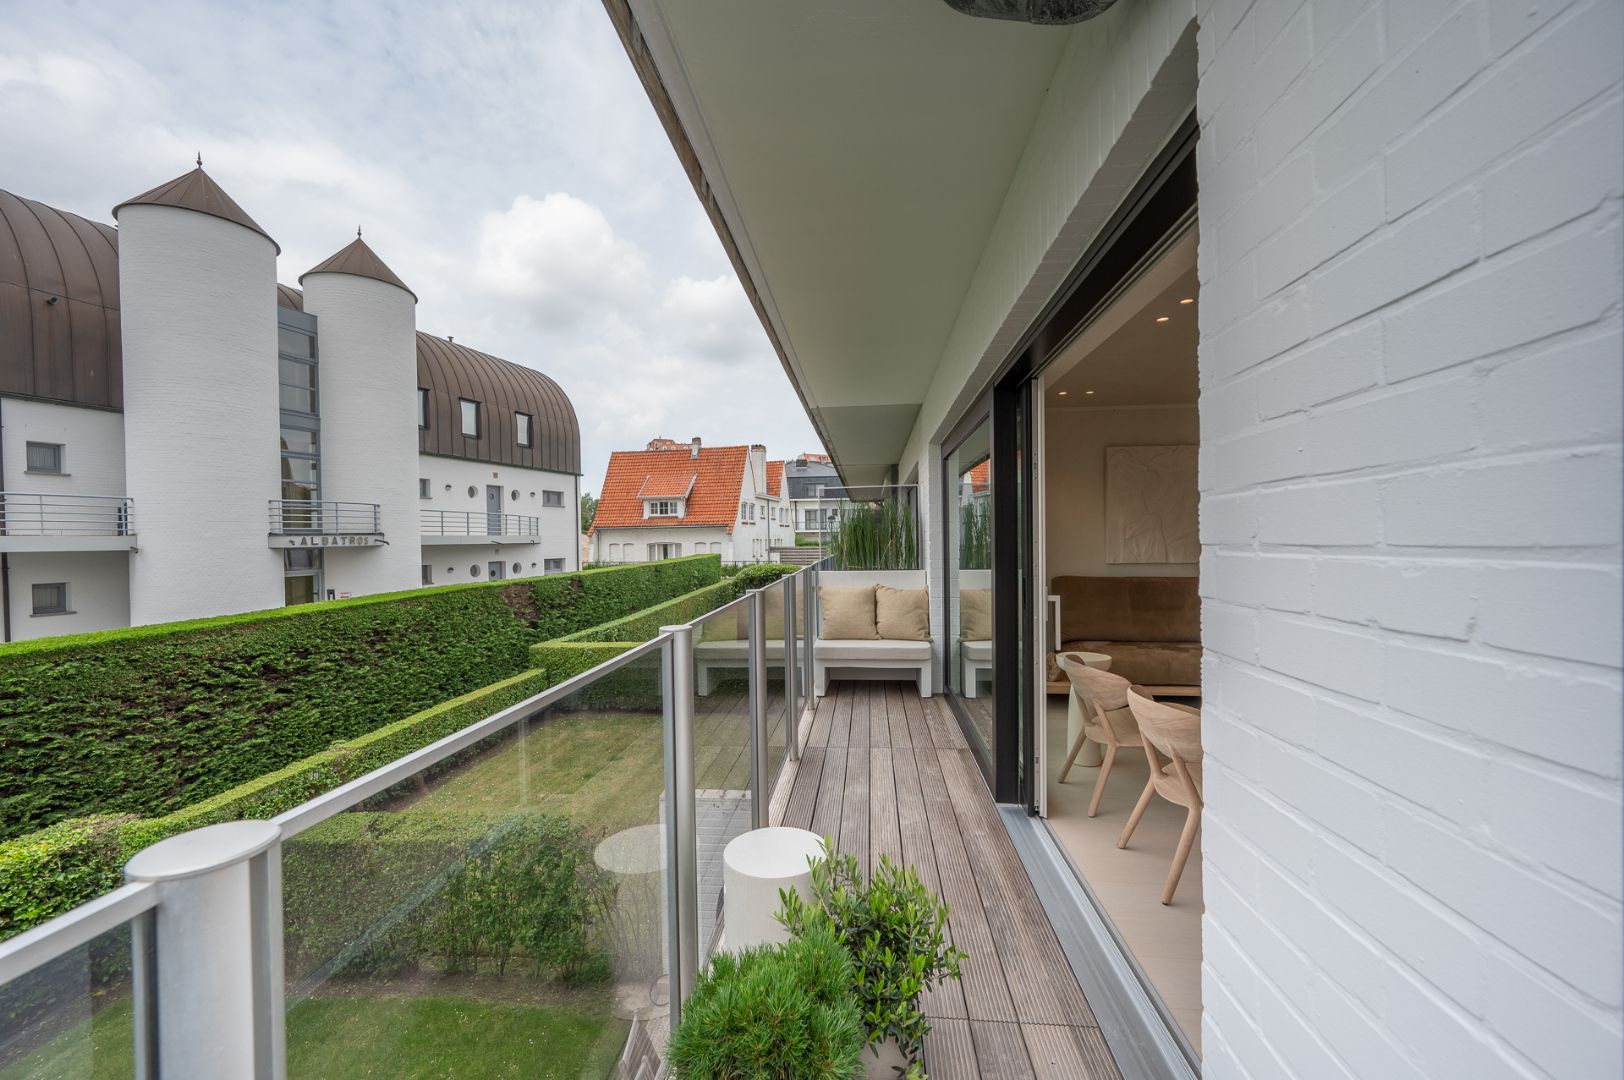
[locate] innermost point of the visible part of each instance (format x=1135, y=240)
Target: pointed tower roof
x=358, y=259
x=197, y=190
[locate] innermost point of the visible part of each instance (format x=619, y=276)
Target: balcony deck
x=887, y=773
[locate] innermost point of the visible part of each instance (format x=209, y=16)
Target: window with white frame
x=470, y=417
x=552, y=566
x=555, y=498
x=50, y=598
x=44, y=457
x=422, y=407
x=428, y=574
x=656, y=507
x=423, y=487
x=664, y=551
x=522, y=425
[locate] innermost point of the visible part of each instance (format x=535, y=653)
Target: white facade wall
x=198, y=316
x=1410, y=355
x=450, y=479
x=367, y=351
x=98, y=591
x=459, y=564
x=92, y=442
x=633, y=543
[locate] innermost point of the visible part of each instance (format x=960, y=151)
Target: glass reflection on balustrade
x=722, y=788
x=969, y=580
x=71, y=1019
x=501, y=912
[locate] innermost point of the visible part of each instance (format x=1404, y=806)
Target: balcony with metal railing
x=55, y=521
x=319, y=523
x=320, y=942
x=465, y=526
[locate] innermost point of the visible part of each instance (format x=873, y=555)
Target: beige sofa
x=1149, y=626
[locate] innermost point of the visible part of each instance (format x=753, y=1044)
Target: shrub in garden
x=759, y=575
x=533, y=894
x=783, y=1012
x=894, y=930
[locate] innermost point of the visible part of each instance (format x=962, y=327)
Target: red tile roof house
x=672, y=499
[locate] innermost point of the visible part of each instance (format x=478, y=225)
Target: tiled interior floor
x=1166, y=941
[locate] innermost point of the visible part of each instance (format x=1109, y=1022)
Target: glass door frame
x=1161, y=206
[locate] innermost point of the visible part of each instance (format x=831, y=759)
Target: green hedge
x=146, y=720
x=644, y=625
x=51, y=871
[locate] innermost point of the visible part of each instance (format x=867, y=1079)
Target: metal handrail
x=475, y=523
x=60, y=513
x=324, y=517
x=33, y=949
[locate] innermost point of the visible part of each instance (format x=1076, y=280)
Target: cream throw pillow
x=902, y=614
x=975, y=614
x=847, y=614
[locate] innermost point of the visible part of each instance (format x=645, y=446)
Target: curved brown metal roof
x=289, y=297
x=450, y=371
x=360, y=260
x=197, y=190
x=59, y=328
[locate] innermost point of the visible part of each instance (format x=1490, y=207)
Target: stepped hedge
x=146, y=720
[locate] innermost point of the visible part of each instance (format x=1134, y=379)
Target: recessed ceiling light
x=1188, y=300
x=1088, y=391
x=1162, y=318
x=1063, y=393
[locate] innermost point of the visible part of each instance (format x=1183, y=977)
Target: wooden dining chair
x=1173, y=730
x=1101, y=701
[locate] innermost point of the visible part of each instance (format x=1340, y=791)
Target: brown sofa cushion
x=975, y=614
x=901, y=614
x=1145, y=663
x=847, y=614
x=1129, y=608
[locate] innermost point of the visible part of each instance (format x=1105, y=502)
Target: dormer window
x=662, y=508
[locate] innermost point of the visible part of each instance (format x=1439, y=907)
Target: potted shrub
x=894, y=931
x=781, y=1012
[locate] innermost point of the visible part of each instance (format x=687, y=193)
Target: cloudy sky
x=502, y=158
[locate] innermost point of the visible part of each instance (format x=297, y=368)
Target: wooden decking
x=886, y=773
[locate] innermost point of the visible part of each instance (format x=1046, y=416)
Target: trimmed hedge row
x=51, y=871
x=643, y=625
x=146, y=720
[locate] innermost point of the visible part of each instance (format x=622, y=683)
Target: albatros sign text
x=351, y=540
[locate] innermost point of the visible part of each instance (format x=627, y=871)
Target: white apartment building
x=181, y=436
x=672, y=499
x=1268, y=352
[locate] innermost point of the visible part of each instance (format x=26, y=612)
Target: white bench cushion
x=833, y=649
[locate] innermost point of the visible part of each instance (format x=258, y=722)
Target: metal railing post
x=792, y=673
x=682, y=835
x=216, y=968
x=811, y=632
x=758, y=709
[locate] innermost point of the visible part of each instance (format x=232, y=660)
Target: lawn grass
x=445, y=1035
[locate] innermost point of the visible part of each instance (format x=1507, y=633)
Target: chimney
x=694, y=448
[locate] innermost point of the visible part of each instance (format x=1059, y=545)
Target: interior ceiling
x=866, y=150
x=1128, y=358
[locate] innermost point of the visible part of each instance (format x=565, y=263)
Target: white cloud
x=559, y=256
x=713, y=319
x=442, y=131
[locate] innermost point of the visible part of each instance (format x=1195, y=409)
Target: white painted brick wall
x=1410, y=472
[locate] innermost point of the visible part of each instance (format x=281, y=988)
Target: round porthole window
x=518, y=568
x=474, y=570
x=473, y=492
x=451, y=569
x=515, y=495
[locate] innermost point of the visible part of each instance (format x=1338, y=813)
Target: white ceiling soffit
x=860, y=153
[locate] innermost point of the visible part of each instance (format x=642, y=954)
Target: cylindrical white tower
x=366, y=344
x=197, y=285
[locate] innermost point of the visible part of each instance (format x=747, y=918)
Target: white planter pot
x=883, y=1059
